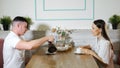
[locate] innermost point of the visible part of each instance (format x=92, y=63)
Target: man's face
x=22, y=28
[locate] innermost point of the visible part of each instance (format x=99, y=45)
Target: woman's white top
x=103, y=49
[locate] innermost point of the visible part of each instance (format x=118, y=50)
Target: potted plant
x=29, y=20
x=114, y=20
x=5, y=21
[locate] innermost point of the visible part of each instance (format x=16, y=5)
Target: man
x=14, y=45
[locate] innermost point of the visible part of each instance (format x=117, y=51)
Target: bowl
x=63, y=48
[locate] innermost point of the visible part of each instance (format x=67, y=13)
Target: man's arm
x=28, y=45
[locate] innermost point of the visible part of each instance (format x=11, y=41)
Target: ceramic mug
x=78, y=50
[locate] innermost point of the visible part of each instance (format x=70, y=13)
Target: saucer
x=48, y=53
x=80, y=53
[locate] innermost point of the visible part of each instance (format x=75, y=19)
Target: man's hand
x=50, y=38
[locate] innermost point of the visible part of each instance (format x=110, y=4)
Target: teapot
x=51, y=48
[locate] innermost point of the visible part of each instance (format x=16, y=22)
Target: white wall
x=103, y=9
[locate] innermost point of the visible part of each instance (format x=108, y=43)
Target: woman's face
x=95, y=30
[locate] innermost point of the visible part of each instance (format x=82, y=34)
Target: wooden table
x=65, y=59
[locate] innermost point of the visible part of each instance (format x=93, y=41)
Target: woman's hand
x=86, y=47
x=84, y=50
x=87, y=51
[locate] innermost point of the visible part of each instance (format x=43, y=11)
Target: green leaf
x=115, y=19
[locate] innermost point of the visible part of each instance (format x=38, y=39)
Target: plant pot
x=114, y=26
x=6, y=27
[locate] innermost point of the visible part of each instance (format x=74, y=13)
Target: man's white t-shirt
x=13, y=58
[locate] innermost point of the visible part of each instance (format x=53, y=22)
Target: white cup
x=78, y=50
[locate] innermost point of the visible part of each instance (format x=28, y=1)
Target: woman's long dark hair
x=101, y=24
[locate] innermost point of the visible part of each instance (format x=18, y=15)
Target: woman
x=103, y=49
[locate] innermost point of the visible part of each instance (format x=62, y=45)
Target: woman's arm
x=87, y=51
